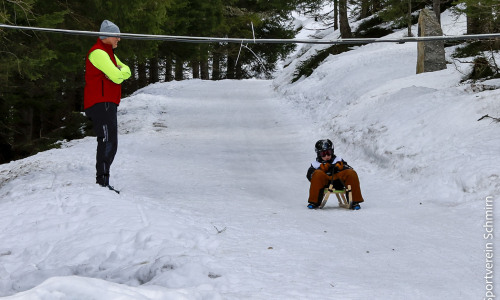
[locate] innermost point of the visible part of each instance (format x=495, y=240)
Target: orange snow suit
x=320, y=180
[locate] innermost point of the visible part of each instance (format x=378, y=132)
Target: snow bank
x=423, y=127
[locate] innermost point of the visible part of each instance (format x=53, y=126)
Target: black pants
x=103, y=116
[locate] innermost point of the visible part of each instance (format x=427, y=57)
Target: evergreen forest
x=42, y=74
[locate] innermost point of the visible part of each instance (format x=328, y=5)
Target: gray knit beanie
x=108, y=26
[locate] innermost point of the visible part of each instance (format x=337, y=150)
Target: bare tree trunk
x=28, y=117
x=345, y=29
x=204, y=69
x=496, y=24
x=142, y=72
x=179, y=69
x=168, y=70
x=73, y=96
x=365, y=9
x=436, y=5
x=132, y=84
x=409, y=18
x=78, y=104
x=376, y=6
x=335, y=14
x=216, y=57
x=239, y=71
x=154, y=70
x=195, y=64
x=230, y=67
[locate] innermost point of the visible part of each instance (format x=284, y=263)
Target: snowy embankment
x=213, y=202
x=423, y=128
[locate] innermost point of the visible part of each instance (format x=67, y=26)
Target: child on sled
x=327, y=168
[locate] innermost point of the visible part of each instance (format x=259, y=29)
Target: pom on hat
x=108, y=26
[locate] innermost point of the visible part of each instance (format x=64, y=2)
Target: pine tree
x=177, y=23
x=400, y=12
x=31, y=106
x=145, y=16
x=482, y=16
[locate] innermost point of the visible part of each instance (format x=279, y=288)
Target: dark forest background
x=42, y=74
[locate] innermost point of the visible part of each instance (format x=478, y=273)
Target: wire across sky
x=195, y=39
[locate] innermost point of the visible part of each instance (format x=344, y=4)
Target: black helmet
x=322, y=145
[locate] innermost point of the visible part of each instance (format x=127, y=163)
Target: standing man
x=104, y=73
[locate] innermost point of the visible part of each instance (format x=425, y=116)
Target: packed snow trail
x=213, y=206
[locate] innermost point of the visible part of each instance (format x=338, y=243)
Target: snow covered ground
x=213, y=191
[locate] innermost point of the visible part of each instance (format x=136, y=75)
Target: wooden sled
x=343, y=196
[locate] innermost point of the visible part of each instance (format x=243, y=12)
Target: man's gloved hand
x=325, y=167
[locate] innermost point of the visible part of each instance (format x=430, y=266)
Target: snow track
x=213, y=206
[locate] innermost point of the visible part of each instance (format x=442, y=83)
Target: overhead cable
x=194, y=39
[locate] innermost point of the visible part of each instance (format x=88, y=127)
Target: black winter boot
x=102, y=180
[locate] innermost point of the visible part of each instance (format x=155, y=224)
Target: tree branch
x=496, y=120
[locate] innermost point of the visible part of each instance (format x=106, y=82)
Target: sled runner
x=343, y=196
